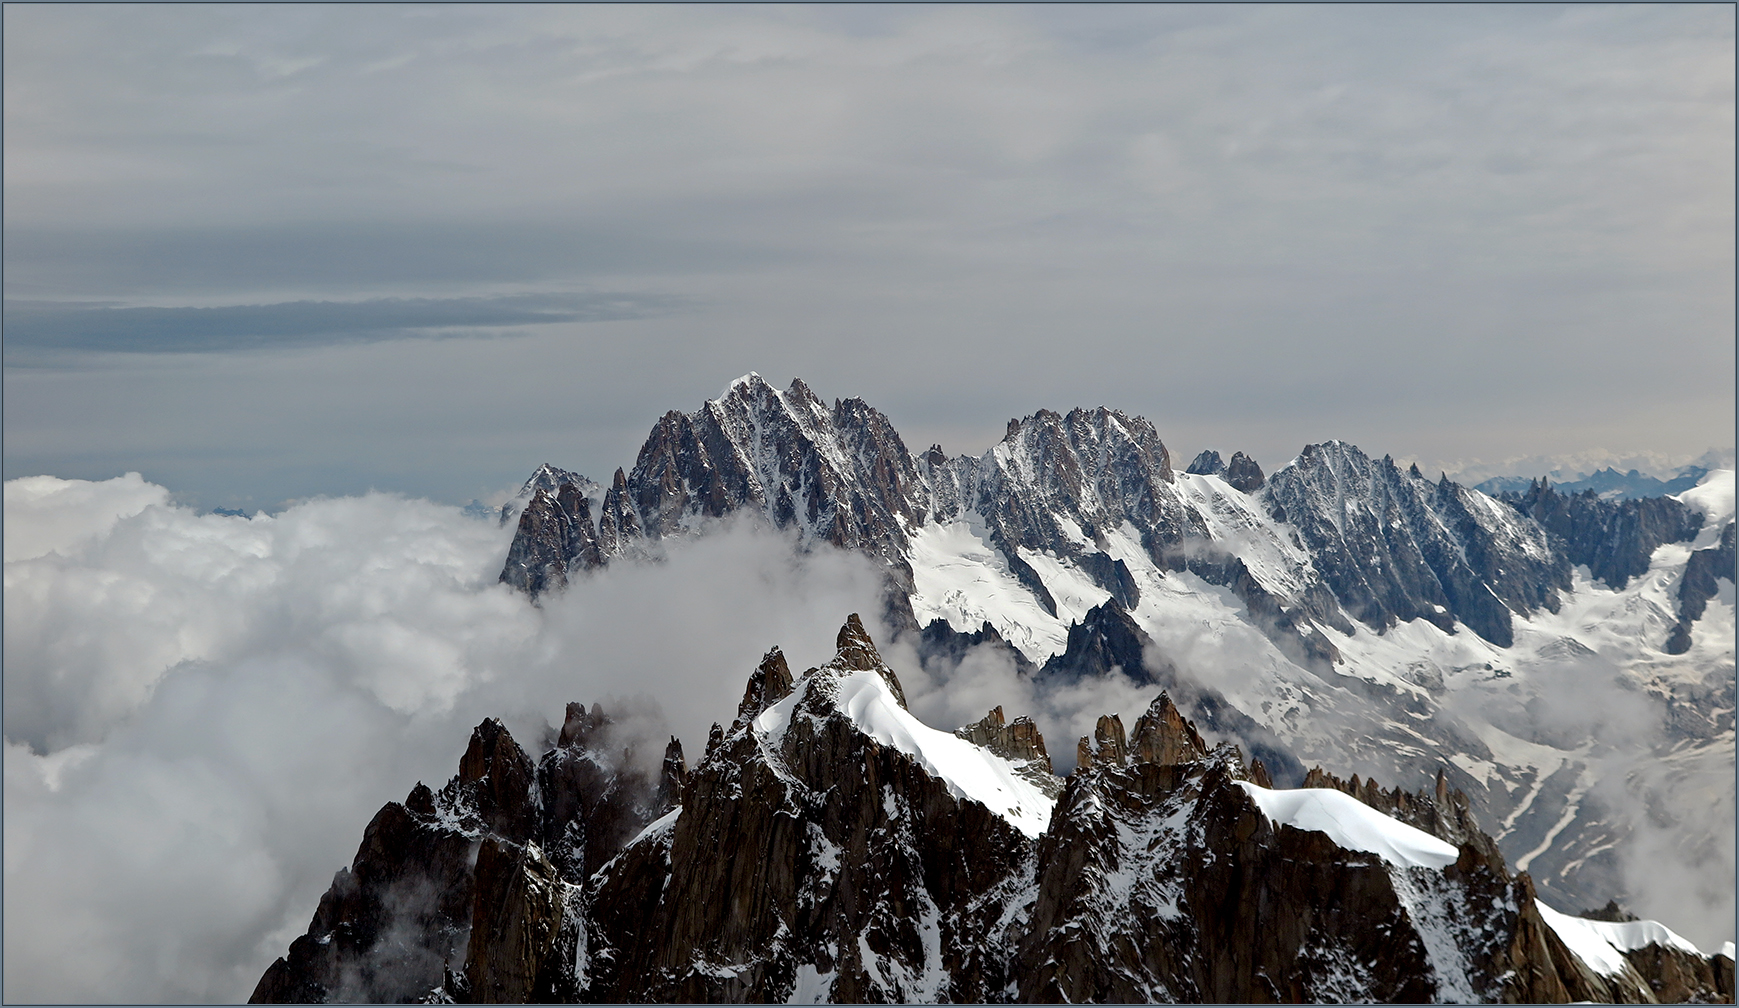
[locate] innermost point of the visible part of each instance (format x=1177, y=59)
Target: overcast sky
x=268, y=252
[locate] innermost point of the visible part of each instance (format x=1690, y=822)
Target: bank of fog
x=203, y=712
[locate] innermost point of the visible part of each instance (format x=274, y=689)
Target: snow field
x=959, y=577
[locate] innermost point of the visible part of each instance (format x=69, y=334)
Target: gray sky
x=262, y=253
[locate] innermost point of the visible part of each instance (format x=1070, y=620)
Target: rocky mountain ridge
x=827, y=847
x=1340, y=608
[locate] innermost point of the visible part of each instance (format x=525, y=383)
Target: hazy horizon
x=268, y=253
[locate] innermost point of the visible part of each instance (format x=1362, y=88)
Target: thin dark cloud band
x=33, y=328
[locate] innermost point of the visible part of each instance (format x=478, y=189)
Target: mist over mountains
x=1342, y=611
x=1340, y=592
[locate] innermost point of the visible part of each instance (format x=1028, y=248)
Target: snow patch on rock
x=1352, y=824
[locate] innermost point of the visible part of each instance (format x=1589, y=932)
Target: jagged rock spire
x=1109, y=745
x=1243, y=473
x=768, y=684
x=579, y=725
x=502, y=777
x=1208, y=463
x=1017, y=740
x=1163, y=735
x=673, y=776
x=858, y=653
x=618, y=525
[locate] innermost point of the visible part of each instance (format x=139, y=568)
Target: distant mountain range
x=1342, y=611
x=1607, y=484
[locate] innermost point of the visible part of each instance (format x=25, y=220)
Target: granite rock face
x=841, y=475
x=555, y=537
x=810, y=862
x=1614, y=538
x=1020, y=743
x=1244, y=474
x=1394, y=546
x=473, y=892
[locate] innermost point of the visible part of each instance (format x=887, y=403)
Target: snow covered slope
x=969, y=771
x=1352, y=824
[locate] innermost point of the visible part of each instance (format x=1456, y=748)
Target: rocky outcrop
x=1674, y=976
x=474, y=892
x=1698, y=585
x=1441, y=811
x=1019, y=742
x=1208, y=463
x=1108, y=641
x=555, y=537
x=550, y=480
x=619, y=531
x=768, y=684
x=1244, y=474
x=940, y=644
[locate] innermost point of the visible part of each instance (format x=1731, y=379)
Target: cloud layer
x=1438, y=232
x=203, y=712
x=50, y=326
